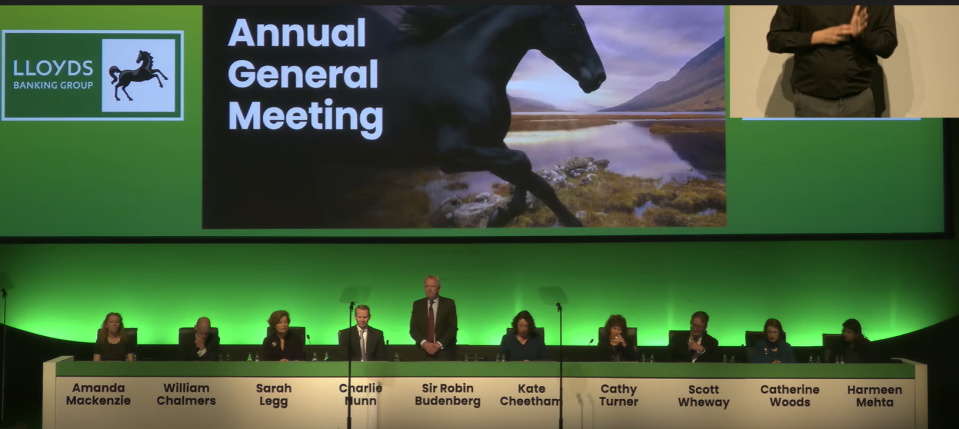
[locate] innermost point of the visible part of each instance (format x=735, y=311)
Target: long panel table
x=466, y=395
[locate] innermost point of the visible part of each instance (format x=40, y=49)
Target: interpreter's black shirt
x=832, y=71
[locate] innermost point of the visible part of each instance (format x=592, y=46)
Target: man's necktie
x=363, y=345
x=431, y=322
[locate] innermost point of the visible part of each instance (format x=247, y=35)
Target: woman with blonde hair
x=112, y=343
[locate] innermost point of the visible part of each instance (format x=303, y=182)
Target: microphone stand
x=349, y=371
x=559, y=308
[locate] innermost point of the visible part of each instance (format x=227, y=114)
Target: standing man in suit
x=367, y=342
x=698, y=346
x=433, y=323
x=200, y=344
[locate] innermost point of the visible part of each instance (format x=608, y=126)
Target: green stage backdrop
x=93, y=178
x=892, y=287
x=103, y=187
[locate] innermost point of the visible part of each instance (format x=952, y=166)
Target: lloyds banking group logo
x=92, y=75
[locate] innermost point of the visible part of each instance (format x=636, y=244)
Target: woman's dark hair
x=775, y=324
x=524, y=315
x=615, y=320
x=277, y=316
x=853, y=325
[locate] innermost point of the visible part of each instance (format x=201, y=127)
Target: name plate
x=482, y=402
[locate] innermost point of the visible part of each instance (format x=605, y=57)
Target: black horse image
x=142, y=74
x=443, y=88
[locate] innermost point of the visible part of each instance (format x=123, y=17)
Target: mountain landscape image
x=699, y=86
x=645, y=150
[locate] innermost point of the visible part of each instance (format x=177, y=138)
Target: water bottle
x=725, y=359
x=228, y=357
x=643, y=358
x=314, y=357
x=810, y=359
x=818, y=360
x=732, y=359
x=497, y=357
x=842, y=359
x=221, y=357
x=326, y=356
x=396, y=357
x=256, y=358
x=652, y=359
x=249, y=357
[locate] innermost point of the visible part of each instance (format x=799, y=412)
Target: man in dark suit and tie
x=200, y=344
x=367, y=342
x=433, y=323
x=698, y=346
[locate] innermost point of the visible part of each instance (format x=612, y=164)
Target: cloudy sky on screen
x=639, y=46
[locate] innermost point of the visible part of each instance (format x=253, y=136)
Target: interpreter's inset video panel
x=852, y=62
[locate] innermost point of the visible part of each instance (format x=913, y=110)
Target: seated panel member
x=854, y=347
x=773, y=348
x=525, y=343
x=699, y=346
x=367, y=342
x=201, y=344
x=613, y=343
x=282, y=344
x=112, y=343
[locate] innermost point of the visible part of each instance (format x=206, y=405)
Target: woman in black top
x=112, y=341
x=854, y=347
x=613, y=345
x=525, y=343
x=281, y=345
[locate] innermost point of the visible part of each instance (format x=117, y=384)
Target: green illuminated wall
x=893, y=287
x=63, y=291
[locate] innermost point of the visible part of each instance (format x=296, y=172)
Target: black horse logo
x=142, y=74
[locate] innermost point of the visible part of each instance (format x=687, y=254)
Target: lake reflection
x=629, y=146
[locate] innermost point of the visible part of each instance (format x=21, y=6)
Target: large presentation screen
x=415, y=121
